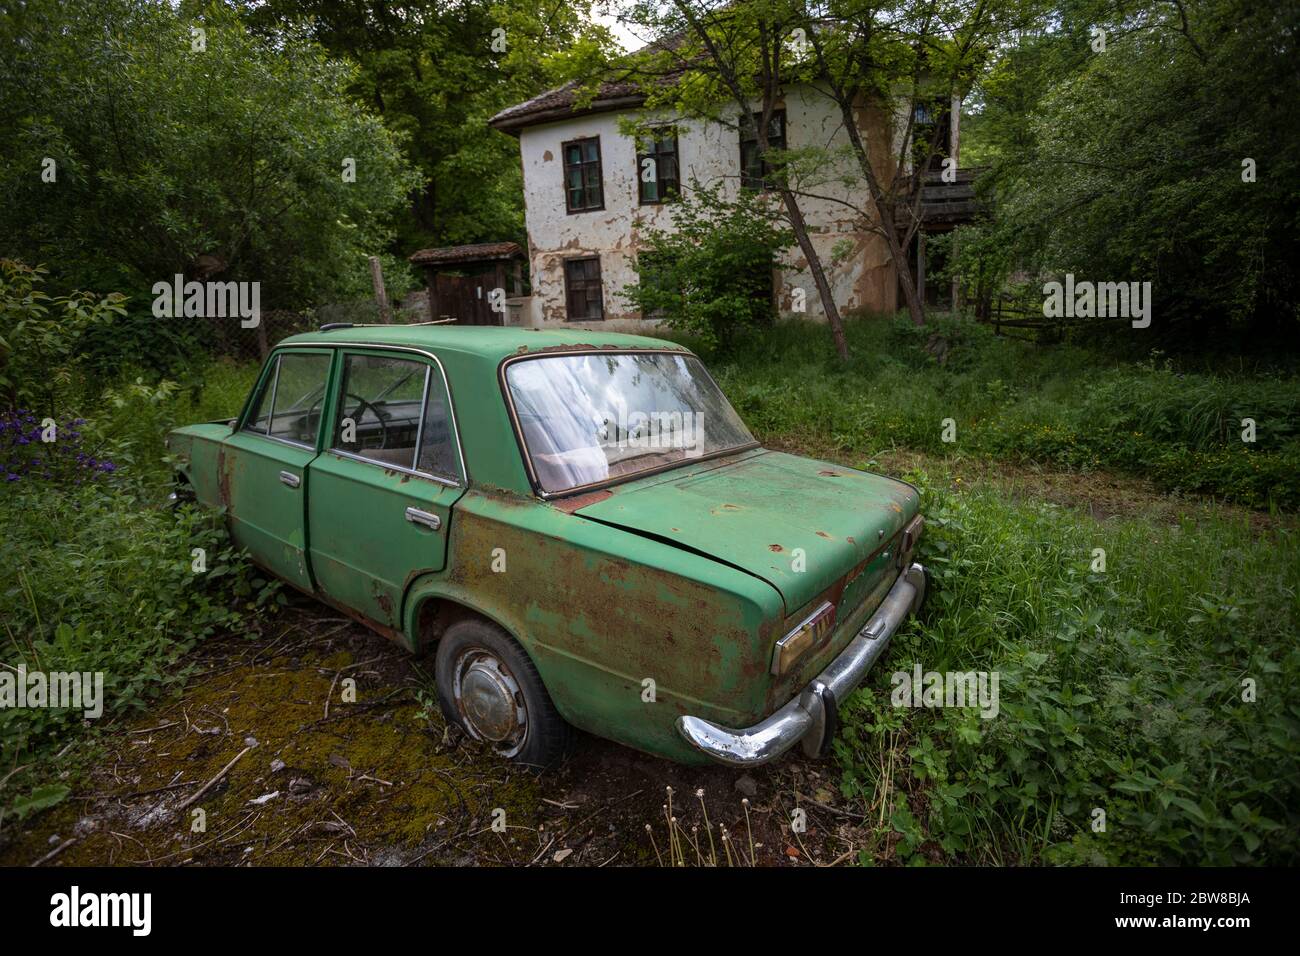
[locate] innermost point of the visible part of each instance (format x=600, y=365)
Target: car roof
x=489, y=342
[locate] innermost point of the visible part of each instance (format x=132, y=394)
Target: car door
x=383, y=488
x=262, y=466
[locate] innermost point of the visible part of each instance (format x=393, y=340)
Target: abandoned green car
x=579, y=522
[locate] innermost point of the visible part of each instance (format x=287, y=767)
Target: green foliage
x=1013, y=401
x=431, y=71
x=41, y=336
x=1120, y=690
x=165, y=154
x=1128, y=164
x=100, y=579
x=710, y=275
x=41, y=798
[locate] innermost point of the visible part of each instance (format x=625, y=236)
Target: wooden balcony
x=944, y=204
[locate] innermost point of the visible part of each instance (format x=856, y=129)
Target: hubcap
x=490, y=701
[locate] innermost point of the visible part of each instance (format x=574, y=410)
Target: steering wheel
x=362, y=404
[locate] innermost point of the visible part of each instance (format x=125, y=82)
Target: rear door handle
x=290, y=479
x=416, y=516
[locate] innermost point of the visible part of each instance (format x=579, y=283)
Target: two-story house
x=587, y=204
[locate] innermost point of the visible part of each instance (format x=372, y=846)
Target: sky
x=625, y=37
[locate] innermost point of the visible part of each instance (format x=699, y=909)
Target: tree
x=1148, y=142
x=907, y=56
x=894, y=57
x=436, y=72
x=137, y=148
x=734, y=54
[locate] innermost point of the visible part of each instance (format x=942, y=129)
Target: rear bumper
x=811, y=717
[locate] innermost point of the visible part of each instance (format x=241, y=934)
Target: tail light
x=812, y=632
x=911, y=534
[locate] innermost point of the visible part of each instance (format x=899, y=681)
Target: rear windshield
x=592, y=418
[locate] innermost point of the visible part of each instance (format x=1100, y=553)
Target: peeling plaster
x=707, y=153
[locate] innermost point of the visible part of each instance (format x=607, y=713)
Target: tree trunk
x=915, y=307
x=770, y=50
x=832, y=311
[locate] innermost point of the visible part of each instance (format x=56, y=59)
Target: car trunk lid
x=800, y=525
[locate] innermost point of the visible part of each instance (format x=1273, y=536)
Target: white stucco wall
x=861, y=277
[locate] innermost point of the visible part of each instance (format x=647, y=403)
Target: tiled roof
x=623, y=88
x=561, y=101
x=479, y=252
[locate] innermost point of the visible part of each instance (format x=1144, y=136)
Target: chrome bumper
x=812, y=715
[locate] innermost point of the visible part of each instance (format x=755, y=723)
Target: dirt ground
x=383, y=781
x=282, y=777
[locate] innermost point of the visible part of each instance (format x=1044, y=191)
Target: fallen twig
x=56, y=851
x=208, y=786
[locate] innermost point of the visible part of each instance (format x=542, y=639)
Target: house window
x=755, y=172
x=656, y=166
x=924, y=133
x=582, y=188
x=582, y=290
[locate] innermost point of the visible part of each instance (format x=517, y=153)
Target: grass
x=99, y=576
x=100, y=579
x=1147, y=710
x=1159, y=691
x=1059, y=406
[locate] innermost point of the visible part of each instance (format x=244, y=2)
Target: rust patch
x=822, y=534
x=418, y=572
x=223, y=477
x=570, y=505
x=775, y=547
x=829, y=474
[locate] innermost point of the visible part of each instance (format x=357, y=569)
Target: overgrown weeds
x=1147, y=704
x=1233, y=436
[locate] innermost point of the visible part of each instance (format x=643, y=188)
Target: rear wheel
x=490, y=688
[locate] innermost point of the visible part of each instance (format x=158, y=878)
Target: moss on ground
x=374, y=772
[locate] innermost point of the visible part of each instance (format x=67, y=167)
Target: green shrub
x=99, y=578
x=711, y=275
x=1120, y=691
x=1059, y=406
x=42, y=336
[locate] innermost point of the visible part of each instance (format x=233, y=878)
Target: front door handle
x=290, y=479
x=416, y=516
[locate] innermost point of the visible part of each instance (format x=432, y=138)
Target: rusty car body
x=439, y=484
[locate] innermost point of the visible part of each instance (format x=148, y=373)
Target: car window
x=298, y=396
x=259, y=417
x=437, y=443
x=380, y=408
x=587, y=419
